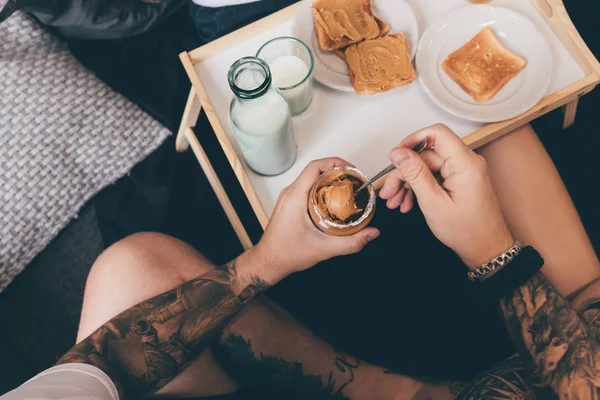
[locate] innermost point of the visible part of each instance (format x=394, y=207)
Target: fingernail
x=399, y=156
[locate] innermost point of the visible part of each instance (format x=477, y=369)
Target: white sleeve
x=66, y=382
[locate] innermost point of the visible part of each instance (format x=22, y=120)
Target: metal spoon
x=417, y=149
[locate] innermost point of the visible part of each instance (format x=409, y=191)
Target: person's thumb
x=344, y=245
x=417, y=174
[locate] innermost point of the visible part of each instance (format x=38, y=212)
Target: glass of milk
x=291, y=63
x=260, y=118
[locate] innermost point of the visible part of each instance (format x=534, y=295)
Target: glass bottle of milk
x=260, y=118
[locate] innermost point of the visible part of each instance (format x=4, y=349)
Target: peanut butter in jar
x=334, y=206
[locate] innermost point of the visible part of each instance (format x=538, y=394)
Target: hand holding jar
x=291, y=241
x=462, y=211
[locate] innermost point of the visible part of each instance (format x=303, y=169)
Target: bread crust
x=483, y=66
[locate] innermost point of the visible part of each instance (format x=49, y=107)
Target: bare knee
x=135, y=269
x=145, y=253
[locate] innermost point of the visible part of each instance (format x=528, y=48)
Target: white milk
x=288, y=71
x=263, y=128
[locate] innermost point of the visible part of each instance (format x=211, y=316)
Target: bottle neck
x=249, y=78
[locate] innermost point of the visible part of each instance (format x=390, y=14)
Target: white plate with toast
x=330, y=69
x=484, y=63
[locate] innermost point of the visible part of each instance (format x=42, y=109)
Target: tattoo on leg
x=146, y=346
x=275, y=375
x=343, y=365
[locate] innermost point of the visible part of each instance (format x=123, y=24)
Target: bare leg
x=264, y=347
x=140, y=267
x=538, y=209
x=267, y=349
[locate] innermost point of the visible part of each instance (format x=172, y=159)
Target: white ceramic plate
x=332, y=71
x=516, y=32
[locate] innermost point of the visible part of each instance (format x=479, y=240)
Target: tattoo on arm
x=559, y=352
x=146, y=346
x=559, y=346
x=272, y=375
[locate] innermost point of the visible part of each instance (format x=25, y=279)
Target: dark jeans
x=212, y=23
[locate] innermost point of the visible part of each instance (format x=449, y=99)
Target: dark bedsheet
x=402, y=303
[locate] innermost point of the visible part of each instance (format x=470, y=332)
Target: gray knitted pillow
x=64, y=135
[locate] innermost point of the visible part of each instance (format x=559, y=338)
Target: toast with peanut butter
x=379, y=65
x=384, y=30
x=340, y=23
x=483, y=66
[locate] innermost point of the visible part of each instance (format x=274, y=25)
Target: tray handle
x=557, y=17
x=223, y=139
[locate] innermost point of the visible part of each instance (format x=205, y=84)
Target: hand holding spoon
x=417, y=149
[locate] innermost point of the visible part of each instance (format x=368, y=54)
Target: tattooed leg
x=138, y=268
x=538, y=209
x=265, y=348
x=275, y=351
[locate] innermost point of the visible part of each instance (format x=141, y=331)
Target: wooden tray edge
x=556, y=15
x=553, y=101
x=228, y=149
x=190, y=116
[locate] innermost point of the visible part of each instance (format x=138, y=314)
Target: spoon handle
x=417, y=149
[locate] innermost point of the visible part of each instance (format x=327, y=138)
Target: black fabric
x=214, y=22
x=93, y=19
x=518, y=271
x=403, y=303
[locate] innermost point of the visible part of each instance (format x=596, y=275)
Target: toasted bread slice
x=379, y=65
x=384, y=29
x=340, y=23
x=483, y=66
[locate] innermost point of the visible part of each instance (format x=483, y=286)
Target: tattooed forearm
x=273, y=375
x=558, y=342
x=146, y=346
x=558, y=346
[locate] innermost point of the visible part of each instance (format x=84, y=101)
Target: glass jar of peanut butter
x=334, y=206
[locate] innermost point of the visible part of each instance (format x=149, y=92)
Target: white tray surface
x=362, y=130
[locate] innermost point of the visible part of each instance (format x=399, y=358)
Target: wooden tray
x=340, y=130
